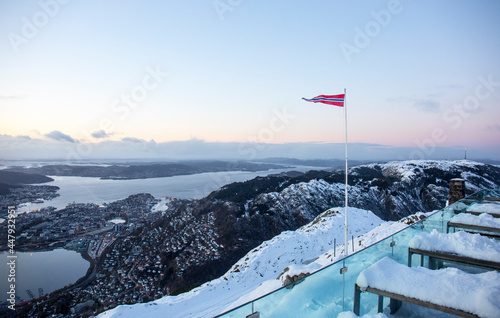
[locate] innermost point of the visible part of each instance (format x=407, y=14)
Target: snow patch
x=459, y=243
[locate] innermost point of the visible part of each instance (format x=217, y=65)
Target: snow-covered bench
x=484, y=223
x=480, y=208
x=459, y=247
x=449, y=290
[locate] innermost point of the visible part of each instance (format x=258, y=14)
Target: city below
x=123, y=244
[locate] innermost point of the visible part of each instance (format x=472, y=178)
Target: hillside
x=12, y=180
x=145, y=171
x=14, y=177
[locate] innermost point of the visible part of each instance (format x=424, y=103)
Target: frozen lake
x=95, y=190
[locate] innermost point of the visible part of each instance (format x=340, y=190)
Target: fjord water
x=50, y=270
x=95, y=190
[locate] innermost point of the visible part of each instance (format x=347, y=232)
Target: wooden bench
x=461, y=247
x=448, y=290
x=483, y=230
x=396, y=301
x=449, y=257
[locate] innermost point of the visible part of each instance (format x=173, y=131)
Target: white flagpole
x=346, y=175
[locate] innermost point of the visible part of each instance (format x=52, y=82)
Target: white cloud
x=21, y=147
x=99, y=134
x=59, y=136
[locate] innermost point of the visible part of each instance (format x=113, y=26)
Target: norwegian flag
x=335, y=100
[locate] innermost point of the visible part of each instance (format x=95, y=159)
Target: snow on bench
x=461, y=247
x=479, y=208
x=481, y=223
x=449, y=290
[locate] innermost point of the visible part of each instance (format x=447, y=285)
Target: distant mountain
x=391, y=190
x=491, y=162
x=14, y=177
x=146, y=170
x=323, y=163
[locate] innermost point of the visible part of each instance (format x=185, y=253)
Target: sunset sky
x=225, y=78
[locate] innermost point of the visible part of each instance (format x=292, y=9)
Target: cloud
x=132, y=139
x=427, y=105
x=100, y=134
x=59, y=136
x=19, y=147
x=493, y=128
x=24, y=137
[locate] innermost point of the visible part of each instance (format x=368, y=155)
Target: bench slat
x=417, y=302
x=454, y=258
x=474, y=227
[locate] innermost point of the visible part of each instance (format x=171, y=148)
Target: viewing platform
x=333, y=290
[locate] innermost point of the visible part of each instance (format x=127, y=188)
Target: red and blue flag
x=335, y=100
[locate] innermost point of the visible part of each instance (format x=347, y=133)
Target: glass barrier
x=330, y=291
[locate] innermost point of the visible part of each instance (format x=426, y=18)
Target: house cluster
x=136, y=250
x=79, y=224
x=196, y=239
x=28, y=193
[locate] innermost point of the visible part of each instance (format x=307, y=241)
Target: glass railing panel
x=394, y=247
x=318, y=295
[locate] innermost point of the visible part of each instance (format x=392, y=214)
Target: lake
x=50, y=270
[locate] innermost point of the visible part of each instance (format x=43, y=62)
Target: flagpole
x=346, y=175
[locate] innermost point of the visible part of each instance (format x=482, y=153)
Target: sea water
x=98, y=191
x=49, y=270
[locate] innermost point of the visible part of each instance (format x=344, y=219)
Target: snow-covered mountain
x=272, y=209
x=392, y=190
x=265, y=268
